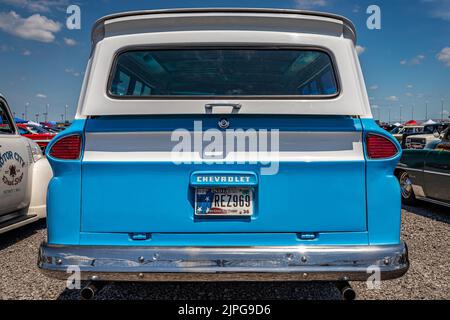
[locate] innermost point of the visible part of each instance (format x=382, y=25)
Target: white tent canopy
x=428, y=122
x=397, y=124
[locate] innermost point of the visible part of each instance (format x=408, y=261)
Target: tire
x=406, y=188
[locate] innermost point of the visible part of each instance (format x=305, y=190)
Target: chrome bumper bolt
x=141, y=259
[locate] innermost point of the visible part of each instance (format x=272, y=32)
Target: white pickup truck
x=24, y=175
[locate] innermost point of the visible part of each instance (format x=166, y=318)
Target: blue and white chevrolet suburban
x=224, y=144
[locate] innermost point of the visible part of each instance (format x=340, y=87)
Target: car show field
x=425, y=227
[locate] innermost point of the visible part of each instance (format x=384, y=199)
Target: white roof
x=217, y=18
x=220, y=27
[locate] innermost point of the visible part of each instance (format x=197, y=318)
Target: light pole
x=46, y=112
x=401, y=113
x=62, y=117
x=412, y=112
x=389, y=115
x=426, y=110
x=37, y=117
x=26, y=111
x=65, y=112
x=442, y=110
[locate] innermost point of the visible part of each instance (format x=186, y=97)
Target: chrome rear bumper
x=328, y=263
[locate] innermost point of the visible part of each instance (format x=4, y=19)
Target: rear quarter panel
x=383, y=193
x=64, y=194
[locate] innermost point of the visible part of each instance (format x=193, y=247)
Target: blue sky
x=405, y=63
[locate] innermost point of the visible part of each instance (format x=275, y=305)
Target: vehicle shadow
x=213, y=291
x=11, y=237
x=430, y=210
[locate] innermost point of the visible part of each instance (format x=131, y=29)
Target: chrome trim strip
x=409, y=169
x=434, y=201
x=423, y=171
x=438, y=173
x=109, y=263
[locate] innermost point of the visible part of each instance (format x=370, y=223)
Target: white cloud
x=392, y=98
x=439, y=9
x=360, y=49
x=417, y=59
x=409, y=86
x=374, y=87
x=409, y=94
x=35, y=27
x=26, y=52
x=310, y=4
x=444, y=56
x=37, y=5
x=6, y=48
x=72, y=72
x=413, y=61
x=41, y=96
x=70, y=42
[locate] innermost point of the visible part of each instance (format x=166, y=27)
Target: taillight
x=379, y=147
x=67, y=148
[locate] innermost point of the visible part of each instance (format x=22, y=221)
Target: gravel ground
x=426, y=228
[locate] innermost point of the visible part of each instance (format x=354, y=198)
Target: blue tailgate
x=130, y=186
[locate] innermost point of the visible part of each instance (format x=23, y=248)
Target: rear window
x=223, y=72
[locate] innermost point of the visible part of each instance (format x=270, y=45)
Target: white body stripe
x=158, y=146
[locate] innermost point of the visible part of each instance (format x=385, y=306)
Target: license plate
x=223, y=202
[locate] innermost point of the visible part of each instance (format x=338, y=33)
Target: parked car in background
x=36, y=133
x=432, y=135
x=406, y=131
x=425, y=174
x=388, y=127
x=24, y=175
x=51, y=127
x=124, y=204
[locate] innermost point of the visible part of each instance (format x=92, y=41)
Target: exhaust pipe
x=91, y=289
x=347, y=292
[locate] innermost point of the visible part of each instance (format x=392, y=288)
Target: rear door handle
x=223, y=107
